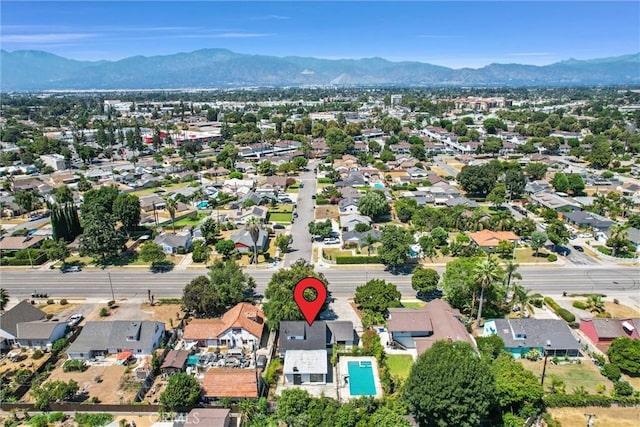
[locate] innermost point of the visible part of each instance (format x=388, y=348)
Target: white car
x=75, y=319
x=331, y=241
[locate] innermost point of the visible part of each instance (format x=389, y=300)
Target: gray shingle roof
x=36, y=330
x=340, y=330
x=22, y=312
x=548, y=333
x=113, y=334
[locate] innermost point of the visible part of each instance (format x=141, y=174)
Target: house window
x=521, y=336
x=316, y=378
x=237, y=330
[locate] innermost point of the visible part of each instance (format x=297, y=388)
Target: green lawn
x=585, y=374
x=281, y=209
x=280, y=217
x=183, y=222
x=399, y=365
x=292, y=190
x=413, y=304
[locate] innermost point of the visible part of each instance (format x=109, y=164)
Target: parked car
x=313, y=197
x=278, y=227
x=70, y=268
x=578, y=248
x=75, y=319
x=331, y=241
x=37, y=294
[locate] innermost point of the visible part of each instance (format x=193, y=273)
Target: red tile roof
x=488, y=238
x=230, y=382
x=243, y=315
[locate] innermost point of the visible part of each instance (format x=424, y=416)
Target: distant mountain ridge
x=29, y=70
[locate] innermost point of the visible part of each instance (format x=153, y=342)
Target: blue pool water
x=192, y=360
x=378, y=185
x=361, y=381
x=202, y=205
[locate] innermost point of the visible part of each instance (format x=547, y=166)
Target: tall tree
x=511, y=272
x=374, y=204
x=182, y=391
x=377, y=296
x=63, y=194
x=171, y=205
x=488, y=273
x=396, y=242
x=126, y=208
x=280, y=304
x=100, y=237
x=253, y=227
x=617, y=238
x=424, y=279
x=524, y=299
x=450, y=386
x=27, y=199
x=538, y=239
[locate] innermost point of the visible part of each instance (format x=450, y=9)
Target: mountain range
x=30, y=70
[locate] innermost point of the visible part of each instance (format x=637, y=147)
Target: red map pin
x=310, y=309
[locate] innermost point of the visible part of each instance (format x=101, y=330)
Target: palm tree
x=487, y=273
x=512, y=273
x=595, y=304
x=4, y=298
x=625, y=205
x=600, y=204
x=368, y=242
x=171, y=205
x=617, y=237
x=253, y=227
x=522, y=298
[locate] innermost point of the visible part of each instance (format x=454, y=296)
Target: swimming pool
x=361, y=382
x=203, y=205
x=192, y=360
x=378, y=185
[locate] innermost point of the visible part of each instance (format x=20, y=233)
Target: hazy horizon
x=453, y=34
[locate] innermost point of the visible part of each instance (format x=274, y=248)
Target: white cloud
x=44, y=38
x=269, y=17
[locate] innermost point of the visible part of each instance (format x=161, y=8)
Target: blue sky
x=455, y=34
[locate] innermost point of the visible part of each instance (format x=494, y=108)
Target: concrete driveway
x=301, y=246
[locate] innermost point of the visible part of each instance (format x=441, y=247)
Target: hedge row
x=560, y=400
x=581, y=305
x=564, y=313
x=40, y=259
x=358, y=260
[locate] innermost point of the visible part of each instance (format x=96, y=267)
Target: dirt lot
x=618, y=417
x=27, y=363
x=620, y=311
x=59, y=310
x=163, y=313
x=110, y=390
x=327, y=211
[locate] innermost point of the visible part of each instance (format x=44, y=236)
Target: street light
x=113, y=298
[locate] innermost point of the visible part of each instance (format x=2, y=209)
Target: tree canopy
x=377, y=296
x=225, y=286
x=374, y=204
x=424, y=279
x=396, y=242
x=280, y=304
x=182, y=391
x=450, y=386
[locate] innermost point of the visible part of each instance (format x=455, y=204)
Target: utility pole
x=113, y=298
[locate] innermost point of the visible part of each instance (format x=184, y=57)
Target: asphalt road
x=301, y=246
x=129, y=283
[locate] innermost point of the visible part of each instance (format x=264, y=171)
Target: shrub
x=598, y=358
x=50, y=302
x=37, y=354
x=93, y=419
x=566, y=315
x=622, y=388
x=537, y=302
x=59, y=345
x=552, y=258
x=601, y=388
x=604, y=315
x=272, y=372
x=611, y=371
x=74, y=365
x=551, y=303
x=533, y=354
x=111, y=303
x=358, y=260
x=615, y=301
x=580, y=304
x=49, y=316
x=104, y=312
x=63, y=302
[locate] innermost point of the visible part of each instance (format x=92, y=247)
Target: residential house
x=354, y=179
x=11, y=244
x=9, y=208
x=548, y=336
x=553, y=201
x=355, y=238
x=171, y=243
x=305, y=348
x=241, y=216
x=39, y=334
x=245, y=167
x=348, y=206
x=349, y=222
x=244, y=243
x=231, y=383
x=25, y=184
x=21, y=313
x=237, y=186
x=209, y=417
x=489, y=240
x=417, y=172
x=175, y=361
x=461, y=201
x=305, y=367
x=421, y=328
x=349, y=193
x=588, y=220
x=603, y=331
x=97, y=339
x=151, y=202
x=239, y=326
